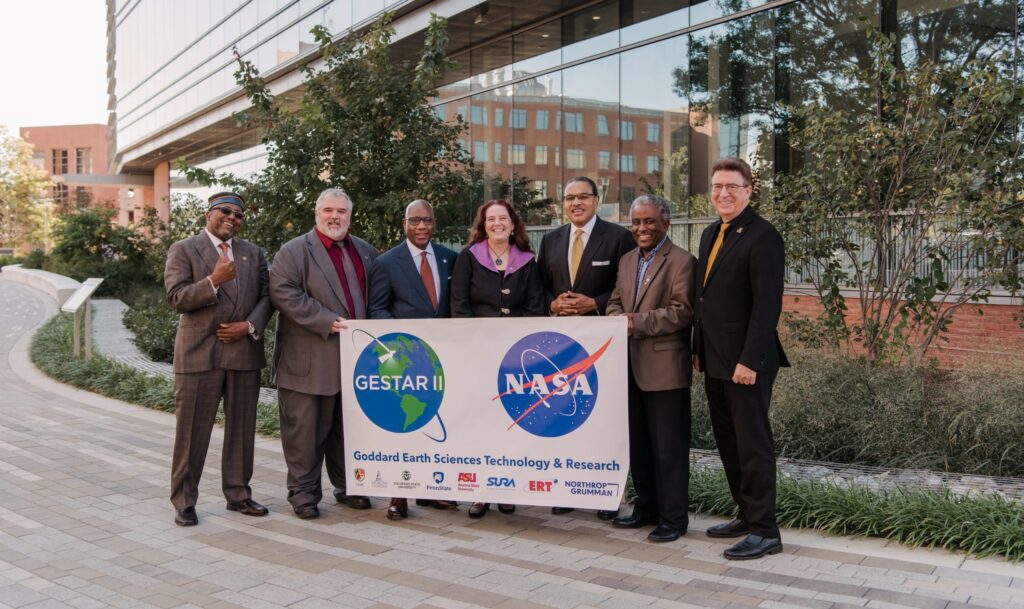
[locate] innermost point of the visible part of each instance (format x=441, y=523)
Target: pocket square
x=601, y=262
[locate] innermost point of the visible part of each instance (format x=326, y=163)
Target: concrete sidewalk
x=85, y=522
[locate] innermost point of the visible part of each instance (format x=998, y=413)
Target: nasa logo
x=500, y=483
x=541, y=486
x=406, y=475
x=360, y=474
x=467, y=477
x=399, y=383
x=548, y=384
x=438, y=477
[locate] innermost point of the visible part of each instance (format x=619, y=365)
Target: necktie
x=358, y=309
x=714, y=250
x=428, y=279
x=224, y=250
x=577, y=255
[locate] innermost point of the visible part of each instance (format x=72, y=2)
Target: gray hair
x=653, y=201
x=333, y=192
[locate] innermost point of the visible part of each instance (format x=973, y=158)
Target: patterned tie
x=714, y=250
x=355, y=288
x=224, y=250
x=577, y=255
x=428, y=279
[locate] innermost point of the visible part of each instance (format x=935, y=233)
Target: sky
x=53, y=62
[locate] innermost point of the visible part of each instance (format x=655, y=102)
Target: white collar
x=588, y=228
x=217, y=241
x=415, y=251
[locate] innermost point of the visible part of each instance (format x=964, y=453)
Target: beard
x=336, y=233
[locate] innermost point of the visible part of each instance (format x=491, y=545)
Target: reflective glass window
x=542, y=120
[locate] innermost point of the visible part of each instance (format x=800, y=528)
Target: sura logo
x=499, y=482
x=548, y=384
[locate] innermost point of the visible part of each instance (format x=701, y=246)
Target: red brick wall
x=977, y=331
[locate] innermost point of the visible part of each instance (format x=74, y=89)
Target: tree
x=363, y=123
x=23, y=188
x=917, y=204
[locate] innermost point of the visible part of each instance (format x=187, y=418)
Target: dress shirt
x=216, y=246
x=588, y=229
x=417, y=254
x=643, y=263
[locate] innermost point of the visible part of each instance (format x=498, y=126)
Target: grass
x=982, y=525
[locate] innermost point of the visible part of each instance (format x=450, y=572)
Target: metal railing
x=82, y=299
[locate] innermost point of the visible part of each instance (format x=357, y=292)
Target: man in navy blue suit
x=410, y=281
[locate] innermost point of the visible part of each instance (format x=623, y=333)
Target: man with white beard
x=317, y=281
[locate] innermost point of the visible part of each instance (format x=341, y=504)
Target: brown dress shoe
x=398, y=509
x=247, y=507
x=186, y=517
x=437, y=504
x=356, y=502
x=307, y=511
x=477, y=510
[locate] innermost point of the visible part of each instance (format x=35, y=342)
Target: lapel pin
x=244, y=258
x=739, y=231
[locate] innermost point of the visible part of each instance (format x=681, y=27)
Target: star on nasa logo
x=548, y=384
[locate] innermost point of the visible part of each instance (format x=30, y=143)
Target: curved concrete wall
x=57, y=286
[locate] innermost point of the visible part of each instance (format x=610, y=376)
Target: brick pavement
x=85, y=522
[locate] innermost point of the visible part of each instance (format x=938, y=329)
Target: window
x=625, y=130
x=653, y=164
x=558, y=120
x=461, y=111
x=479, y=115
x=628, y=193
x=60, y=193
x=558, y=158
x=542, y=120
x=540, y=155
x=518, y=119
x=626, y=162
x=575, y=158
x=439, y=112
x=541, y=186
x=82, y=195
x=604, y=159
x=517, y=154
x=574, y=122
x=602, y=125
x=653, y=132
x=83, y=160
x=497, y=152
x=480, y=151
x=499, y=117
x=59, y=164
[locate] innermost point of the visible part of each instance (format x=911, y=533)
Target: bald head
x=419, y=223
x=417, y=206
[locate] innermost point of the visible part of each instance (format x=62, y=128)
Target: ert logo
x=541, y=486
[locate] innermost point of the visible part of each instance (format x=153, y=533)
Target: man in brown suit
x=218, y=283
x=655, y=290
x=317, y=282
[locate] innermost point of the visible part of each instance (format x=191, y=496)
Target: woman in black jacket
x=496, y=275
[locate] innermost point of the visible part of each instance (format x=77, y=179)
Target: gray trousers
x=196, y=397
x=311, y=433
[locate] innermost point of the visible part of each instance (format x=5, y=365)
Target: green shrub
x=6, y=260
x=154, y=325
x=36, y=259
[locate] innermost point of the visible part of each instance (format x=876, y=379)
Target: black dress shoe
x=307, y=511
x=438, y=504
x=634, y=521
x=186, y=517
x=733, y=528
x=754, y=546
x=558, y=511
x=477, y=510
x=247, y=507
x=663, y=533
x=356, y=502
x=506, y=508
x=607, y=514
x=398, y=510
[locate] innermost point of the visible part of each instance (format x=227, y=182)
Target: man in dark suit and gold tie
x=579, y=263
x=218, y=283
x=410, y=281
x=739, y=301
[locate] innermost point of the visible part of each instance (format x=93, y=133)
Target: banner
x=526, y=410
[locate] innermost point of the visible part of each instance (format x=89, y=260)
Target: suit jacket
x=738, y=310
x=202, y=309
x=659, y=349
x=479, y=290
x=396, y=289
x=598, y=268
x=305, y=288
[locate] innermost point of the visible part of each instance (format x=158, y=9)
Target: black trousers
x=311, y=433
x=739, y=419
x=659, y=453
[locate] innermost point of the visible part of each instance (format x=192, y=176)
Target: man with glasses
x=218, y=284
x=410, y=281
x=579, y=263
x=736, y=345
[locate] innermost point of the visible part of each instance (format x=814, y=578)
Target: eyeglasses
x=729, y=188
x=417, y=220
x=572, y=198
x=227, y=211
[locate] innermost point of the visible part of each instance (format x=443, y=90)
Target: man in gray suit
x=218, y=283
x=317, y=282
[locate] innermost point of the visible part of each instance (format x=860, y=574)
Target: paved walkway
x=85, y=522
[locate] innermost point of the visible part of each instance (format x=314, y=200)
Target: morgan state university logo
x=547, y=383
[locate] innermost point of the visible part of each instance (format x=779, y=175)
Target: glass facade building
x=637, y=94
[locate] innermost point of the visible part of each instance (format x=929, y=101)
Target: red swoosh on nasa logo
x=575, y=370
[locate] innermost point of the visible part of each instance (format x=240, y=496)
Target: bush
x=36, y=259
x=88, y=244
x=154, y=325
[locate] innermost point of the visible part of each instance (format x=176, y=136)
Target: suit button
x=506, y=291
x=505, y=311
x=701, y=299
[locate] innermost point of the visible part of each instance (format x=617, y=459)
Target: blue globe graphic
x=399, y=382
x=546, y=384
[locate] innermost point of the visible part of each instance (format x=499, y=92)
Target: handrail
x=74, y=304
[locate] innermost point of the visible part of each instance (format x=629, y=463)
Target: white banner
x=527, y=410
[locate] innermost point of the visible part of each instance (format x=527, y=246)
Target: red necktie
x=428, y=279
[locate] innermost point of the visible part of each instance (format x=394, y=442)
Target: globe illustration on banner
x=548, y=384
x=399, y=383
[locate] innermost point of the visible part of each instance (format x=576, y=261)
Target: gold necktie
x=577, y=255
x=714, y=250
